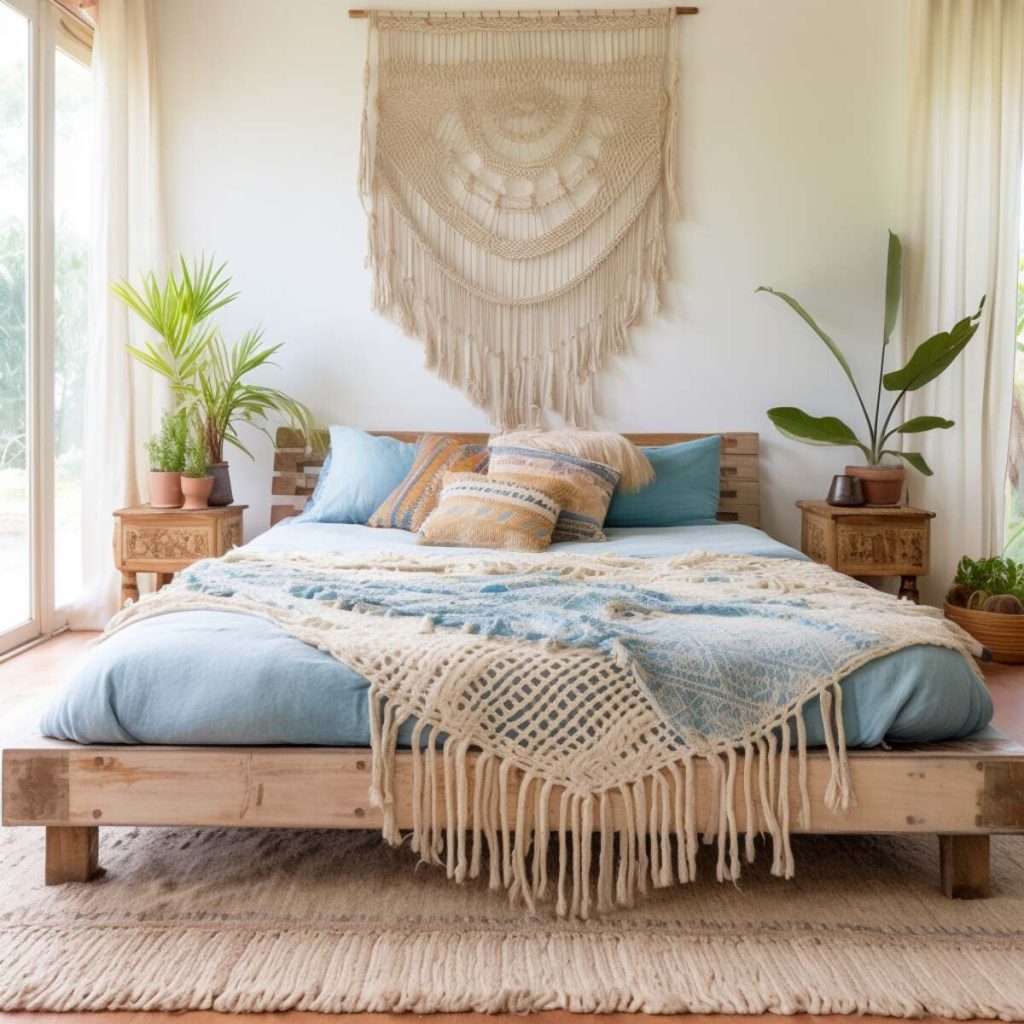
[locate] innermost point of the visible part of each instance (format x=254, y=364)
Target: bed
x=261, y=730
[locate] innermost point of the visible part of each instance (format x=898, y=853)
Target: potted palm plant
x=166, y=450
x=882, y=478
x=196, y=482
x=210, y=379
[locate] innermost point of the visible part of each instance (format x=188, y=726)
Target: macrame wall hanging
x=518, y=171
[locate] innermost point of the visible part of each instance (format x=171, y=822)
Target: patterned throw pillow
x=480, y=511
x=416, y=496
x=588, y=486
x=601, y=446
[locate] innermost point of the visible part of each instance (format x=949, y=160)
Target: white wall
x=791, y=168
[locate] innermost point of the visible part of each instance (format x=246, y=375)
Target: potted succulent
x=881, y=478
x=196, y=481
x=166, y=450
x=987, y=600
x=209, y=378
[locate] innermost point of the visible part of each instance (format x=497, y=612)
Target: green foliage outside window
x=69, y=347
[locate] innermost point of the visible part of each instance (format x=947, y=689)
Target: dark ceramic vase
x=845, y=492
x=221, y=493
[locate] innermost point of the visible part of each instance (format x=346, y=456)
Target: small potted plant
x=166, y=449
x=196, y=483
x=882, y=479
x=987, y=600
x=208, y=377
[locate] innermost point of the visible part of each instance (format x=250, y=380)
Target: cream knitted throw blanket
x=518, y=172
x=586, y=687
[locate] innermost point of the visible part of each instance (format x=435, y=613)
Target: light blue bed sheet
x=222, y=678
x=634, y=541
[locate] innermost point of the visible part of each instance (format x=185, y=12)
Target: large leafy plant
x=930, y=360
x=208, y=377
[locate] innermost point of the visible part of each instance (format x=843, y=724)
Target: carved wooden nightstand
x=163, y=540
x=871, y=541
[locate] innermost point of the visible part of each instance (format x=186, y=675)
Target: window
x=45, y=134
x=71, y=192
x=15, y=528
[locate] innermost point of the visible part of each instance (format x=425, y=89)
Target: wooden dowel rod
x=358, y=13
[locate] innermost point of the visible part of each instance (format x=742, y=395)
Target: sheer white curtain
x=966, y=81
x=123, y=402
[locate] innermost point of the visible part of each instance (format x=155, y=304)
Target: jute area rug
x=277, y=920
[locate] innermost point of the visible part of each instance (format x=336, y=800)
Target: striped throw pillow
x=480, y=511
x=588, y=486
x=416, y=496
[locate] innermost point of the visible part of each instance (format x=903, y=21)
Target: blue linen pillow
x=359, y=473
x=684, y=492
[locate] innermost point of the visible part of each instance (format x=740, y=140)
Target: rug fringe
x=179, y=967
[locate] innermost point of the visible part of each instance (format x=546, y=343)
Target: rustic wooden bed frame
x=964, y=792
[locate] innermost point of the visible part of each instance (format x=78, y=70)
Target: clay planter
x=165, y=490
x=1001, y=634
x=196, y=490
x=882, y=485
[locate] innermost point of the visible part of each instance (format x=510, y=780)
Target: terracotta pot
x=221, y=494
x=165, y=490
x=882, y=485
x=196, y=490
x=1001, y=634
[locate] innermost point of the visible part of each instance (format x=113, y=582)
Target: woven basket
x=1002, y=634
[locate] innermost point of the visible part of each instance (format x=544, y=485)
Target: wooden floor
x=28, y=681
x=1006, y=683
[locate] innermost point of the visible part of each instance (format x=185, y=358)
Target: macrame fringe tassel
x=550, y=351
x=609, y=845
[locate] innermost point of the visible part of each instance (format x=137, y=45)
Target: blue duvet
x=209, y=677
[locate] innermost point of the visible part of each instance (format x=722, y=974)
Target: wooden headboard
x=296, y=471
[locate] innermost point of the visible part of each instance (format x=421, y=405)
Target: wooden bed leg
x=964, y=867
x=72, y=853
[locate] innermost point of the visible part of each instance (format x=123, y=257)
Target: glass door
x=45, y=162
x=72, y=158
x=19, y=618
